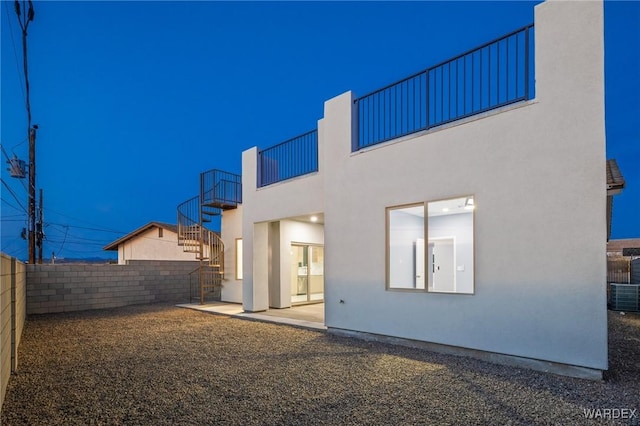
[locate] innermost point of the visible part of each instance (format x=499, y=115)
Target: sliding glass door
x=307, y=273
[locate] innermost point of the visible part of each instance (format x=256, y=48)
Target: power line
x=63, y=241
x=84, y=253
x=4, y=152
x=10, y=205
x=84, y=221
x=15, y=52
x=19, y=143
x=24, y=185
x=84, y=227
x=13, y=147
x=24, y=18
x=13, y=194
x=80, y=243
x=75, y=236
x=11, y=244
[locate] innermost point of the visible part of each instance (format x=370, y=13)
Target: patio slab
x=305, y=316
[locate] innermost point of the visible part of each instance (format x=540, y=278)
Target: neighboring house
x=623, y=261
x=624, y=247
x=444, y=209
x=623, y=274
x=615, y=184
x=153, y=241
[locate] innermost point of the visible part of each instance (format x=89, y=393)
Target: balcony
x=220, y=189
x=491, y=76
x=289, y=159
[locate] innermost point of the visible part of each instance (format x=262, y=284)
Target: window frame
x=239, y=274
x=388, y=210
x=425, y=206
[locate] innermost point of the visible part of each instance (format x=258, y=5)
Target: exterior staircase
x=219, y=191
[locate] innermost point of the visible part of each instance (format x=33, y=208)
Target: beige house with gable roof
x=153, y=241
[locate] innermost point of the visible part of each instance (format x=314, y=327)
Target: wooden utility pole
x=40, y=230
x=32, y=195
x=25, y=16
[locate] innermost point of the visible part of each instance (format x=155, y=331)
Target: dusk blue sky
x=135, y=99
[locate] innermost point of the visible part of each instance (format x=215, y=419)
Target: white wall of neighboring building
x=150, y=246
x=537, y=173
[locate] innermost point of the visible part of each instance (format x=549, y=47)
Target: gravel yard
x=161, y=365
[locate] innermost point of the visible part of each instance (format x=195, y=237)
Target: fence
x=493, y=75
x=295, y=157
x=65, y=288
x=12, y=315
x=618, y=269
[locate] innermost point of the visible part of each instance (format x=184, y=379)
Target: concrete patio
x=305, y=316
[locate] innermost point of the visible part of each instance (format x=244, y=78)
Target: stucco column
x=337, y=134
x=255, y=240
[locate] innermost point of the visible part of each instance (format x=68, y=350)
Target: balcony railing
x=493, y=75
x=220, y=189
x=295, y=157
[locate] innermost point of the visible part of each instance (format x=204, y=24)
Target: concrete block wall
x=12, y=316
x=19, y=308
x=5, y=326
x=70, y=287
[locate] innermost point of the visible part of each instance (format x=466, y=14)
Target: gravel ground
x=161, y=365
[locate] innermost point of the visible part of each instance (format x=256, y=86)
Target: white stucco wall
x=149, y=246
x=301, y=196
x=537, y=174
x=230, y=231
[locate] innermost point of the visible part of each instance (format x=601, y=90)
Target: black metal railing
x=221, y=189
x=295, y=157
x=493, y=75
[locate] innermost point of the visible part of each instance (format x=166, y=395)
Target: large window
x=430, y=246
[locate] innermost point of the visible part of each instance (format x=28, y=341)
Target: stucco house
x=615, y=185
x=439, y=210
x=153, y=241
x=624, y=247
